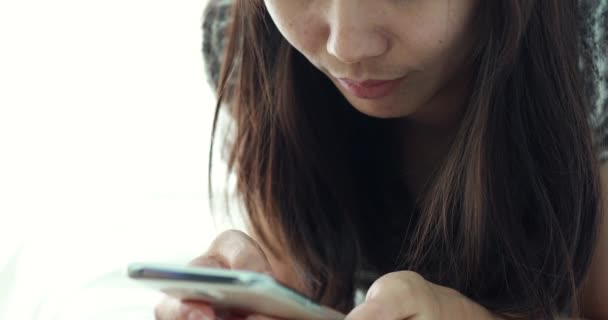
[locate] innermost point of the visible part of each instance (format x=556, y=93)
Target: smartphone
x=243, y=292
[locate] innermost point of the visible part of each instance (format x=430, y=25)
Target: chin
x=380, y=110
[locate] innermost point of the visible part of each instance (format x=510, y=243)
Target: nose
x=354, y=34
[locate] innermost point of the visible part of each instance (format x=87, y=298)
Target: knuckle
x=405, y=284
x=226, y=237
x=212, y=260
x=251, y=260
x=243, y=258
x=410, y=280
x=232, y=234
x=411, y=276
x=233, y=249
x=379, y=286
x=233, y=239
x=226, y=250
x=239, y=251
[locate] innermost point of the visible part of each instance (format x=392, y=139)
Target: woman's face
x=389, y=58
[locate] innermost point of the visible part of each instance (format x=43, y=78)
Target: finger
x=260, y=317
x=174, y=309
x=398, y=295
x=236, y=250
x=377, y=309
x=167, y=309
x=209, y=262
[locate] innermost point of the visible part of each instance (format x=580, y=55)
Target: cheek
x=433, y=30
x=441, y=45
x=296, y=22
x=307, y=35
x=304, y=31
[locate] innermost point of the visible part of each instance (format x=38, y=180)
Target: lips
x=369, y=89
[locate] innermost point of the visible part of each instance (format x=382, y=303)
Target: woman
x=439, y=151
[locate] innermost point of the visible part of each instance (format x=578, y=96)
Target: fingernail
x=197, y=315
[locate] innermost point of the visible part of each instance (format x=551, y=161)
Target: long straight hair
x=509, y=218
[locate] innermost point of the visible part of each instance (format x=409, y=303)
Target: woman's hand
x=407, y=295
x=230, y=250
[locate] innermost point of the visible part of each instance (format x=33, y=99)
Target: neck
x=428, y=133
x=422, y=152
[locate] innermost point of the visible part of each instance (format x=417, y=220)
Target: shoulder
x=593, y=62
x=216, y=15
x=216, y=19
x=595, y=290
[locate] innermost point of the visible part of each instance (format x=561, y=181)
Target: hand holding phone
x=241, y=292
x=209, y=291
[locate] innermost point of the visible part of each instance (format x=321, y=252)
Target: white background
x=105, y=118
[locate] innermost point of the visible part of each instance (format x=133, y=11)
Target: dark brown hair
x=509, y=218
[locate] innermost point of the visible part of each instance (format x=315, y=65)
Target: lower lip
x=375, y=91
